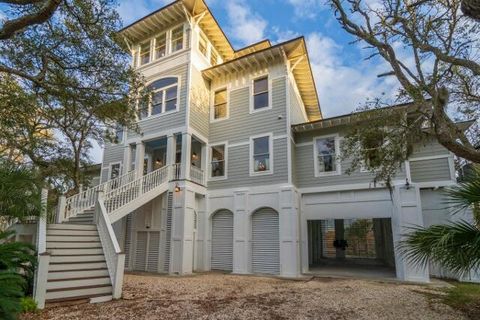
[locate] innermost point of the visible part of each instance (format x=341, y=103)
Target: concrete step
x=78, y=258
x=60, y=266
x=98, y=272
x=65, y=302
x=78, y=292
x=74, y=252
x=66, y=226
x=72, y=232
x=77, y=282
x=73, y=245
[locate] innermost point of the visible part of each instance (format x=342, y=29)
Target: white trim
x=269, y=82
x=304, y=144
x=408, y=173
x=270, y=155
x=212, y=104
x=239, y=144
x=436, y=184
x=451, y=164
x=430, y=157
x=225, y=174
x=281, y=136
x=353, y=186
x=338, y=170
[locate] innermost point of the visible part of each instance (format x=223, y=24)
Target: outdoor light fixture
x=194, y=156
x=177, y=188
x=407, y=184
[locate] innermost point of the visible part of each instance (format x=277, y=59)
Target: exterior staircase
x=77, y=268
x=79, y=256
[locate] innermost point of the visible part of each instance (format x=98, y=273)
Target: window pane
x=326, y=146
x=221, y=97
x=261, y=163
x=177, y=39
x=160, y=46
x=260, y=85
x=145, y=53
x=161, y=83
x=115, y=171
x=142, y=109
x=260, y=101
x=119, y=134
x=327, y=163
x=260, y=145
x=171, y=93
x=157, y=99
x=220, y=111
x=218, y=161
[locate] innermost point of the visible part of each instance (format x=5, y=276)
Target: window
x=203, y=44
x=326, y=156
x=145, y=53
x=213, y=57
x=260, y=93
x=261, y=150
x=177, y=39
x=160, y=46
x=163, y=99
x=114, y=170
x=220, y=104
x=119, y=134
x=217, y=163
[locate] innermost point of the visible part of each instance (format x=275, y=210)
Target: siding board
x=430, y=170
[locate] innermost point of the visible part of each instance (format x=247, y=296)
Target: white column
x=289, y=233
x=204, y=161
x=126, y=159
x=186, y=154
x=241, y=233
x=139, y=156
x=407, y=213
x=171, y=149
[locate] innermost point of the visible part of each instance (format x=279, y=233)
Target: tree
x=68, y=76
x=455, y=246
x=432, y=50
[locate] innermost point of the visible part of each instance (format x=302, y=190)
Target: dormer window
x=177, y=39
x=145, y=53
x=161, y=46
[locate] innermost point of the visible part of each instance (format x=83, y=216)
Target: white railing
x=197, y=175
x=43, y=257
x=86, y=199
x=176, y=171
x=114, y=256
x=126, y=193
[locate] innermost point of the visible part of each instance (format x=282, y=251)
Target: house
x=233, y=169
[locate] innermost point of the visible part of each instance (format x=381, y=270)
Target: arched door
x=265, y=242
x=222, y=241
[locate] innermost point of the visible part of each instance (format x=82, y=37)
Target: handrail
x=126, y=193
x=114, y=256
x=86, y=199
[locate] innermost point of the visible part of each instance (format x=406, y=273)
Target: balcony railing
x=197, y=175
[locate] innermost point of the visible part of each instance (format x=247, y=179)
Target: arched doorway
x=222, y=240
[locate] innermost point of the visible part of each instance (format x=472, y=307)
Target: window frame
x=110, y=166
x=118, y=129
x=151, y=42
x=252, y=91
x=170, y=39
x=270, y=154
x=149, y=108
x=225, y=173
x=154, y=50
x=212, y=104
x=338, y=170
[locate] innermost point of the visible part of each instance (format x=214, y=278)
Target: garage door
x=222, y=241
x=265, y=242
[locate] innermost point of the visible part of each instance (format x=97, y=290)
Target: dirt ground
x=218, y=296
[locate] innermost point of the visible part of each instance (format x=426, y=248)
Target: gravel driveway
x=218, y=296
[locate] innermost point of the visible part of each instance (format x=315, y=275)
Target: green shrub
x=28, y=304
x=12, y=287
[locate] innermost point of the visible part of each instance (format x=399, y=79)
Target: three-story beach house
x=233, y=168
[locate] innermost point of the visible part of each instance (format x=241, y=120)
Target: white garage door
x=265, y=242
x=222, y=241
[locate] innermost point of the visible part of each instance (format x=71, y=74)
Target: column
x=139, y=156
x=186, y=155
x=289, y=233
x=241, y=233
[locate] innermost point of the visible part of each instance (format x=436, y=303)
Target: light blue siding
x=430, y=170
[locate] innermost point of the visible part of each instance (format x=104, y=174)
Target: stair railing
x=126, y=193
x=114, y=257
x=86, y=199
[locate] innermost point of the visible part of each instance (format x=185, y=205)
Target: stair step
x=83, y=222
x=77, y=265
x=76, y=258
x=58, y=275
x=73, y=244
x=78, y=292
x=74, y=252
x=72, y=232
x=66, y=226
x=77, y=282
x=92, y=298
x=73, y=238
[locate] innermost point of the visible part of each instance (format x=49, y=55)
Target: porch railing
x=197, y=175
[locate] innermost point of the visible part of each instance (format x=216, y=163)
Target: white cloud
x=343, y=88
x=245, y=26
x=280, y=35
x=131, y=11
x=307, y=8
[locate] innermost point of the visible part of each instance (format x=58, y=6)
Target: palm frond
x=466, y=194
x=455, y=246
x=12, y=287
